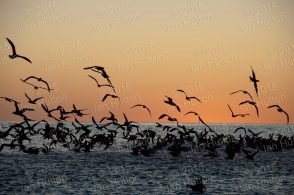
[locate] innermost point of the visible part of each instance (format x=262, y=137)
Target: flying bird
x=170, y=102
x=199, y=118
x=168, y=118
x=100, y=70
x=14, y=54
x=251, y=103
x=109, y=95
x=236, y=115
x=31, y=101
x=104, y=85
x=39, y=80
x=279, y=109
x=189, y=98
x=254, y=80
x=243, y=91
x=143, y=106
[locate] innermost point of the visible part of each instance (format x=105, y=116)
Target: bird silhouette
x=251, y=103
x=254, y=80
x=279, y=109
x=104, y=85
x=39, y=80
x=168, y=118
x=242, y=91
x=189, y=98
x=199, y=118
x=110, y=95
x=169, y=101
x=236, y=115
x=31, y=101
x=143, y=106
x=101, y=70
x=14, y=54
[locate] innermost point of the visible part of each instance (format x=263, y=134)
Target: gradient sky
x=151, y=49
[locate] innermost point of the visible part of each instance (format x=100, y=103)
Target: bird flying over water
x=254, y=80
x=14, y=54
x=279, y=109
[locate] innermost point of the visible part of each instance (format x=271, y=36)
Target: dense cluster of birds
x=176, y=138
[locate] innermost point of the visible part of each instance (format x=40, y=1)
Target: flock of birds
x=174, y=137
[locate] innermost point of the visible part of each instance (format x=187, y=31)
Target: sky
x=150, y=49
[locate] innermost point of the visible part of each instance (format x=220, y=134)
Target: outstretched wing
x=12, y=46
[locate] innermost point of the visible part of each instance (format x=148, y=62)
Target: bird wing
x=286, y=116
x=246, y=92
x=30, y=77
x=180, y=90
x=28, y=97
x=25, y=58
x=94, y=80
x=235, y=92
x=162, y=116
x=191, y=112
x=274, y=106
x=256, y=109
x=178, y=108
x=231, y=110
x=244, y=102
x=12, y=46
x=104, y=98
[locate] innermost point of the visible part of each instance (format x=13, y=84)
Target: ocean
x=116, y=171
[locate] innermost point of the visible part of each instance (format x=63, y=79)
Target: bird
x=143, y=106
x=170, y=102
x=242, y=91
x=189, y=98
x=236, y=115
x=39, y=80
x=111, y=118
x=279, y=109
x=254, y=80
x=32, y=101
x=251, y=103
x=199, y=118
x=100, y=70
x=104, y=85
x=110, y=95
x=250, y=155
x=14, y=54
x=168, y=118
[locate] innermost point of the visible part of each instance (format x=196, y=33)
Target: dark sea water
x=116, y=171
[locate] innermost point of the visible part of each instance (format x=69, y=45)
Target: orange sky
x=150, y=49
